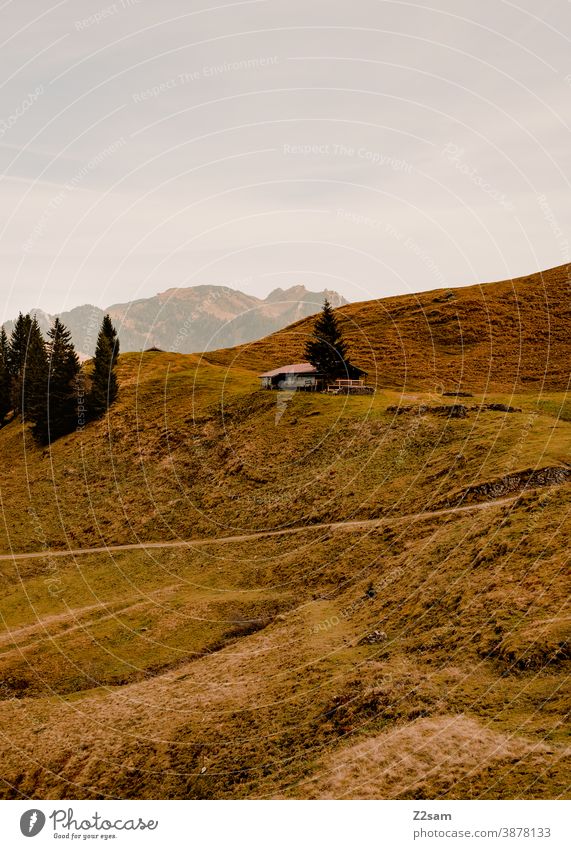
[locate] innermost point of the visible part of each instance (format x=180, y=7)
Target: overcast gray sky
x=370, y=147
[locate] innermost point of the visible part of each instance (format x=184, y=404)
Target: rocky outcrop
x=453, y=411
x=510, y=484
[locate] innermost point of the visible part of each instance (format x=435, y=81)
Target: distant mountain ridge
x=192, y=319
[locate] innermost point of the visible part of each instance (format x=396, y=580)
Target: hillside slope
x=425, y=655
x=506, y=336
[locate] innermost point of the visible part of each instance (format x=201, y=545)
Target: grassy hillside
x=509, y=336
x=423, y=655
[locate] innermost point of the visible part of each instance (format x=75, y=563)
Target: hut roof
x=296, y=368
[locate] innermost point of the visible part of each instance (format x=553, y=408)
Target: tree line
x=43, y=382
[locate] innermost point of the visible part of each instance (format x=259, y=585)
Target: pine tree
x=326, y=348
x=19, y=343
x=34, y=381
x=104, y=389
x=64, y=369
x=16, y=358
x=4, y=346
x=109, y=331
x=5, y=381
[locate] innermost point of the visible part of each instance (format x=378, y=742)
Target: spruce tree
x=34, y=382
x=17, y=349
x=109, y=331
x=5, y=380
x=326, y=348
x=104, y=389
x=4, y=346
x=19, y=343
x=64, y=369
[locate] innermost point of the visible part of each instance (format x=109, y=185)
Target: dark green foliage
x=34, y=379
x=17, y=349
x=43, y=384
x=4, y=347
x=109, y=331
x=104, y=389
x=326, y=349
x=19, y=343
x=40, y=380
x=64, y=369
x=5, y=381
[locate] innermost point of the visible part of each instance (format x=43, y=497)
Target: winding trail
x=353, y=524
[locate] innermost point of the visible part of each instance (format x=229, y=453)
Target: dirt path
x=196, y=543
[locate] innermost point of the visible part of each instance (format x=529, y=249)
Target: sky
x=374, y=148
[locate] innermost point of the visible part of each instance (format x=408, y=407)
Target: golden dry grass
x=507, y=336
x=427, y=758
x=270, y=713
x=240, y=671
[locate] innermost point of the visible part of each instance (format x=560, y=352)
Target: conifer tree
x=104, y=389
x=16, y=359
x=5, y=381
x=326, y=348
x=64, y=369
x=19, y=343
x=109, y=331
x=4, y=346
x=34, y=381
